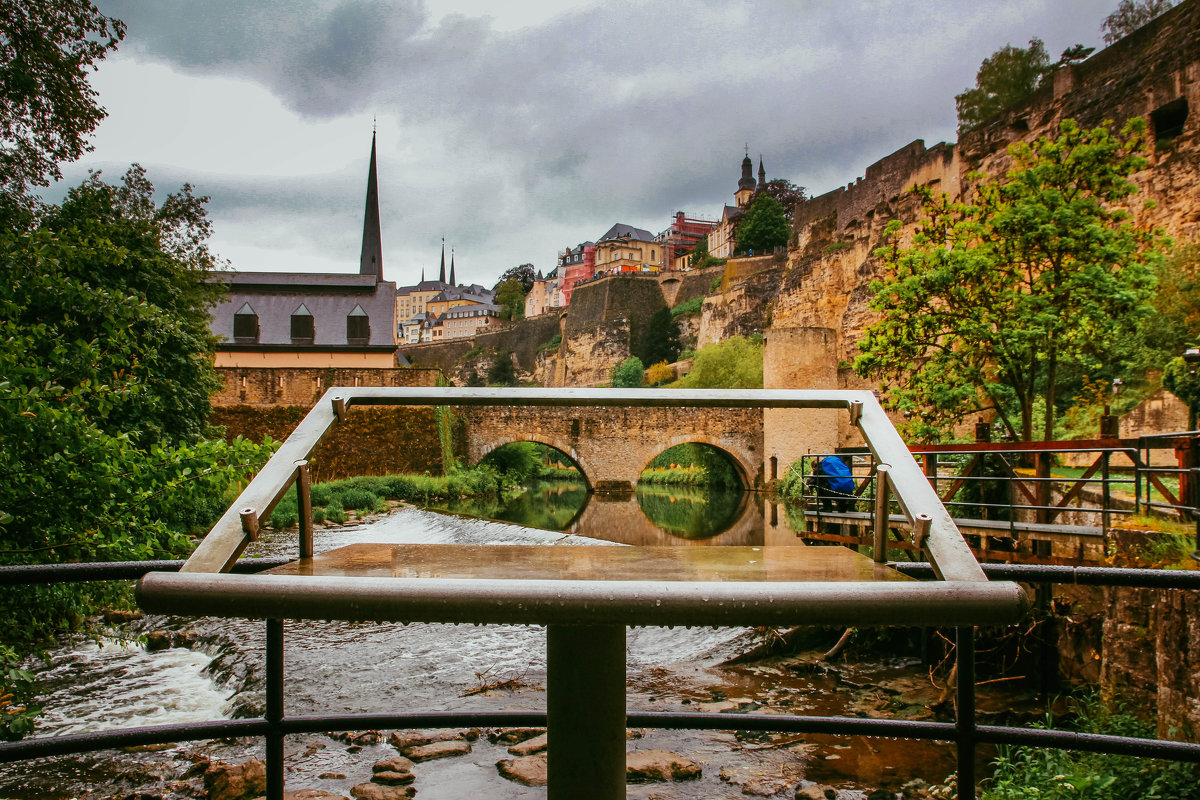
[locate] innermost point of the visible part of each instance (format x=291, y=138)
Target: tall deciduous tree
x=1006, y=77
x=787, y=193
x=1131, y=15
x=510, y=299
x=47, y=108
x=1039, y=275
x=764, y=227
x=523, y=274
x=660, y=342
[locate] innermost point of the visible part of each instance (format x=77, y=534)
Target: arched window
x=358, y=327
x=303, y=330
x=245, y=325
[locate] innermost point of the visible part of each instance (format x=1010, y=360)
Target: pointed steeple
x=762, y=174
x=452, y=283
x=371, y=260
x=442, y=274
x=422, y=274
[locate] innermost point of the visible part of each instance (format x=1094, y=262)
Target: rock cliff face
x=1154, y=74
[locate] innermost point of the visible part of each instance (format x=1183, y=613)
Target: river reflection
x=653, y=515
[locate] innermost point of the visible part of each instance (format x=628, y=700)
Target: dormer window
x=303, y=329
x=358, y=327
x=245, y=325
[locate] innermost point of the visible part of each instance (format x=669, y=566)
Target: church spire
x=452, y=283
x=442, y=274
x=370, y=262
x=762, y=174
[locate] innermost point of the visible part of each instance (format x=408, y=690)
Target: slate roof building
x=303, y=319
x=625, y=248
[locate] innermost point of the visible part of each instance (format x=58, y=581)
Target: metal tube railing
x=964, y=732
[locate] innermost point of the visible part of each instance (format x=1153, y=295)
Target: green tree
x=116, y=238
x=501, y=371
x=1006, y=77
x=787, y=193
x=999, y=299
x=510, y=299
x=735, y=363
x=47, y=108
x=764, y=227
x=660, y=342
x=628, y=374
x=524, y=274
x=1131, y=15
x=1179, y=380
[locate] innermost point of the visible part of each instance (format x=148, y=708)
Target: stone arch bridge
x=613, y=444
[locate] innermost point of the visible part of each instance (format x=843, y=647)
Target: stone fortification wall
x=1147, y=74
x=1149, y=656
x=438, y=355
x=632, y=298
x=372, y=441
x=522, y=340
x=679, y=287
x=587, y=357
x=831, y=263
x=302, y=386
x=261, y=401
x=742, y=311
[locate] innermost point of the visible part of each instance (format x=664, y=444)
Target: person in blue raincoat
x=833, y=483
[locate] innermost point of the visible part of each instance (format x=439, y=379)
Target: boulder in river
x=405, y=739
x=235, y=781
x=513, y=735
x=375, y=791
x=815, y=791
x=389, y=778
x=530, y=746
x=658, y=766
x=435, y=750
x=528, y=770
x=393, y=764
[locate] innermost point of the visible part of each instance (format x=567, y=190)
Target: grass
x=687, y=308
x=369, y=493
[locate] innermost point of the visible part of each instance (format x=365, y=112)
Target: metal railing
x=1006, y=489
x=275, y=724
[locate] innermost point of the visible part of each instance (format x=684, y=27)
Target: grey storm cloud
x=625, y=110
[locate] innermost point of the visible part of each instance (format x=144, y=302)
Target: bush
x=1026, y=772
x=690, y=307
x=660, y=373
x=628, y=374
x=736, y=363
x=360, y=499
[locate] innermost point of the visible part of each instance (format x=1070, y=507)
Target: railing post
x=881, y=513
x=965, y=717
x=274, y=715
x=304, y=504
x=1105, y=515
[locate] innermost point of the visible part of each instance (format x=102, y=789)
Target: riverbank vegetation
x=692, y=464
x=503, y=469
x=1053, y=774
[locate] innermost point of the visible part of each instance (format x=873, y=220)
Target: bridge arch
x=550, y=441
x=746, y=471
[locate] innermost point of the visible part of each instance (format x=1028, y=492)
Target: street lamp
x=1110, y=424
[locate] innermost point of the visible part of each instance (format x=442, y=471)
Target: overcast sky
x=517, y=129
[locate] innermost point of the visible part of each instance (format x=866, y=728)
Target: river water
x=216, y=671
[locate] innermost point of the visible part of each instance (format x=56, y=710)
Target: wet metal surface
x=594, y=563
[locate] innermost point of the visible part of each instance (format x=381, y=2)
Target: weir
x=581, y=594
